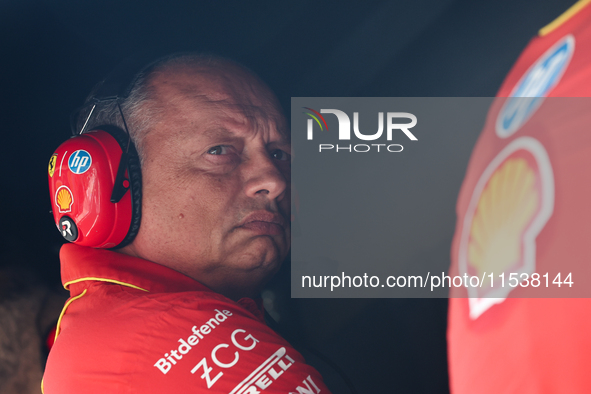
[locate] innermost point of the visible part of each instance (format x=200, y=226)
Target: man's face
x=216, y=180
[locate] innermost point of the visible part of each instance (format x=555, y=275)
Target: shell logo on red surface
x=64, y=199
x=510, y=205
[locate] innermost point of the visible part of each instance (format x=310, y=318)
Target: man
x=173, y=310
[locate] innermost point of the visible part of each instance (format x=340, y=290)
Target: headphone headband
x=95, y=176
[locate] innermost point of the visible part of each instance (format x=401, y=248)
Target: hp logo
x=79, y=161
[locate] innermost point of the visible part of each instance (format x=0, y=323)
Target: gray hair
x=140, y=106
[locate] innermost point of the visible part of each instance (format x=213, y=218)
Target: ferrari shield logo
x=51, y=166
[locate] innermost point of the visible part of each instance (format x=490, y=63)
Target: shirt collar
x=80, y=263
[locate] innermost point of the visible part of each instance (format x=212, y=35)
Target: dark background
x=53, y=52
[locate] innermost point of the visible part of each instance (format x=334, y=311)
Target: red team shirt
x=524, y=208
x=132, y=326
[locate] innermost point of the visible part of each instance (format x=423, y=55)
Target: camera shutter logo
x=314, y=116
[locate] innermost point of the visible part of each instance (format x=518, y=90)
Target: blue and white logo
x=79, y=161
x=536, y=83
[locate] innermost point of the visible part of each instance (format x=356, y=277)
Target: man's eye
x=218, y=150
x=278, y=154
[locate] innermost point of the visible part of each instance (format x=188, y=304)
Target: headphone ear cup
x=82, y=173
x=134, y=172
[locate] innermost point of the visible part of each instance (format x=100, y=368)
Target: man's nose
x=263, y=177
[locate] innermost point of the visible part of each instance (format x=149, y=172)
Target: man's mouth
x=264, y=223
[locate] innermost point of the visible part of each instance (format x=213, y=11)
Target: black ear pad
x=134, y=171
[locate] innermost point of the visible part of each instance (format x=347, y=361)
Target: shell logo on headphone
x=64, y=199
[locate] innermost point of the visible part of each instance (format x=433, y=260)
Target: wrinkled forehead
x=226, y=88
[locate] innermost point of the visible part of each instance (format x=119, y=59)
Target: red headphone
x=95, y=177
x=91, y=204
